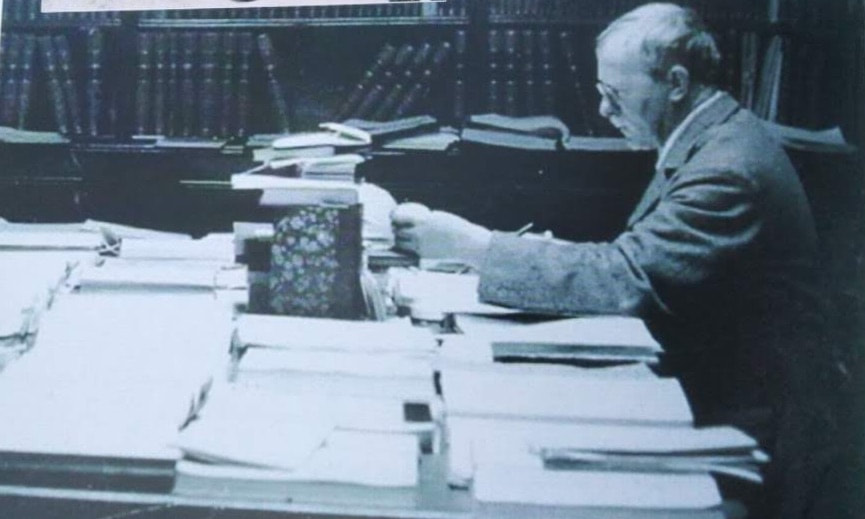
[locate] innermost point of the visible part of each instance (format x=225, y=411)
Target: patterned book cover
x=315, y=262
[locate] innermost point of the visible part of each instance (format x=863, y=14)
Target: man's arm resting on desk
x=664, y=262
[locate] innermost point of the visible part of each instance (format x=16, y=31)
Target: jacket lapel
x=719, y=111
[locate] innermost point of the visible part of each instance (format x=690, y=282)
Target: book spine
x=188, y=74
x=70, y=92
x=94, y=81
x=548, y=91
x=412, y=73
x=382, y=60
x=228, y=98
x=12, y=47
x=25, y=85
x=208, y=95
x=160, y=83
x=275, y=87
x=420, y=89
x=246, y=45
x=55, y=89
x=143, y=85
x=574, y=76
x=386, y=80
x=459, y=85
x=494, y=74
x=172, y=86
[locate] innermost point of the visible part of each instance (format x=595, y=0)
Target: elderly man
x=718, y=257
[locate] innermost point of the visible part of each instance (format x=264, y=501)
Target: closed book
x=55, y=88
x=382, y=60
x=70, y=90
x=275, y=84
x=208, y=104
x=144, y=85
x=11, y=51
x=244, y=101
x=227, y=90
x=160, y=83
x=25, y=81
x=188, y=75
x=94, y=89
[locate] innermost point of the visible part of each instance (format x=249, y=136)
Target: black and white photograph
x=432, y=259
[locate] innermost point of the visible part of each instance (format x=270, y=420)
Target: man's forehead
x=619, y=54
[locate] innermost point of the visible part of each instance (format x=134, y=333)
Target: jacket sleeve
x=703, y=221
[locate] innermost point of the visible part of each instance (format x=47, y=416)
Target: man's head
x=654, y=63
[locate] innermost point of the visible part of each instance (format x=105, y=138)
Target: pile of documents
x=333, y=357
x=99, y=398
x=316, y=410
x=262, y=444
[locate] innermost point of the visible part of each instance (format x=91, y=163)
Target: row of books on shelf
x=601, y=12
x=29, y=12
x=450, y=8
x=44, y=61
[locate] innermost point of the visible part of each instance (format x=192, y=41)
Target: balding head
x=664, y=35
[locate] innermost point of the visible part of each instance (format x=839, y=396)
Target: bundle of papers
x=113, y=377
x=343, y=469
x=589, y=338
x=438, y=293
x=630, y=394
x=333, y=357
x=120, y=274
x=26, y=297
x=318, y=334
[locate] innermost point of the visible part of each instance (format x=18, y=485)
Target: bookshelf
x=195, y=73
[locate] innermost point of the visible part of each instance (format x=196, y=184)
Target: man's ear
x=680, y=81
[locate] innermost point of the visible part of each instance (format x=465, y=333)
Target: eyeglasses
x=611, y=94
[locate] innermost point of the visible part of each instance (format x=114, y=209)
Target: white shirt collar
x=668, y=144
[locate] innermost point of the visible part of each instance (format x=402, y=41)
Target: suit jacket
x=719, y=259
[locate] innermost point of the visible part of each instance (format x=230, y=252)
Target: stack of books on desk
x=615, y=438
x=389, y=359
x=98, y=400
x=258, y=444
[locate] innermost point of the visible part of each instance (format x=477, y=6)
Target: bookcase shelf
x=258, y=23
x=129, y=73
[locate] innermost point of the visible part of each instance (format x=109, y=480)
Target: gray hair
x=668, y=35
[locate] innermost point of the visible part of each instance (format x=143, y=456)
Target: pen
x=525, y=228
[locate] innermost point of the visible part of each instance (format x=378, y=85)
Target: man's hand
x=438, y=235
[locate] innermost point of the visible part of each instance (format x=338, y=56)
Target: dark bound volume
x=228, y=97
x=422, y=87
x=208, y=93
x=55, y=88
x=70, y=93
x=172, y=94
x=316, y=260
x=385, y=82
x=188, y=72
x=274, y=84
x=143, y=85
x=576, y=86
x=93, y=91
x=25, y=81
x=246, y=45
x=382, y=60
x=10, y=50
x=160, y=83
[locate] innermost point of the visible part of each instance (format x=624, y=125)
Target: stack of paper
x=580, y=339
x=349, y=467
x=159, y=275
x=256, y=444
x=30, y=281
x=113, y=377
x=437, y=293
x=333, y=357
